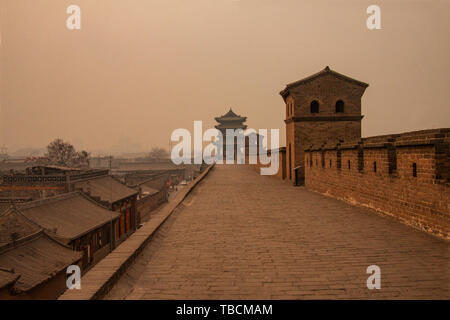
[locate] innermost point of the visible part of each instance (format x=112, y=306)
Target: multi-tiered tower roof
x=230, y=120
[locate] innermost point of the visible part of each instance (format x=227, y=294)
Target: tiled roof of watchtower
x=326, y=71
x=231, y=120
x=230, y=116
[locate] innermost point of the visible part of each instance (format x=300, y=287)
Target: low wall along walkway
x=98, y=281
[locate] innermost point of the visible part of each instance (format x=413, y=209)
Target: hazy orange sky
x=139, y=69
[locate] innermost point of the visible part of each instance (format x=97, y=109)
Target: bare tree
x=158, y=153
x=64, y=154
x=82, y=158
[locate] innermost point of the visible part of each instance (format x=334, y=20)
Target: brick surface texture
x=240, y=235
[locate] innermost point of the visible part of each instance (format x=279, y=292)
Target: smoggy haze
x=139, y=69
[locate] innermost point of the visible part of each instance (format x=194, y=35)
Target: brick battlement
x=403, y=175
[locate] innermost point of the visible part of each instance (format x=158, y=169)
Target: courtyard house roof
x=68, y=216
x=7, y=277
x=15, y=226
x=33, y=260
x=105, y=188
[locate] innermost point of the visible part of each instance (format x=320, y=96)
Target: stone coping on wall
x=96, y=283
x=354, y=144
x=414, y=138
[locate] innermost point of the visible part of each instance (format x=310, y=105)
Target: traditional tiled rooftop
x=13, y=224
x=7, y=277
x=106, y=188
x=35, y=258
x=71, y=215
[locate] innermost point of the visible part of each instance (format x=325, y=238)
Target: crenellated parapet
x=419, y=154
x=404, y=175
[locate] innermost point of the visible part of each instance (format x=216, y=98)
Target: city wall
x=406, y=176
x=281, y=173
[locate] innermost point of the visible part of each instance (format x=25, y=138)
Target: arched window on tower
x=315, y=106
x=339, y=106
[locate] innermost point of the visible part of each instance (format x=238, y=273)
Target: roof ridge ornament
x=230, y=113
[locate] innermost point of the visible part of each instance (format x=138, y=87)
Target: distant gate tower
x=230, y=120
x=324, y=107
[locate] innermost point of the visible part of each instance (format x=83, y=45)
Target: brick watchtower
x=324, y=107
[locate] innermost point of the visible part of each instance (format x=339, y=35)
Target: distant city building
x=3, y=154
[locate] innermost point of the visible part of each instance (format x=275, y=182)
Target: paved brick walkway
x=240, y=235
